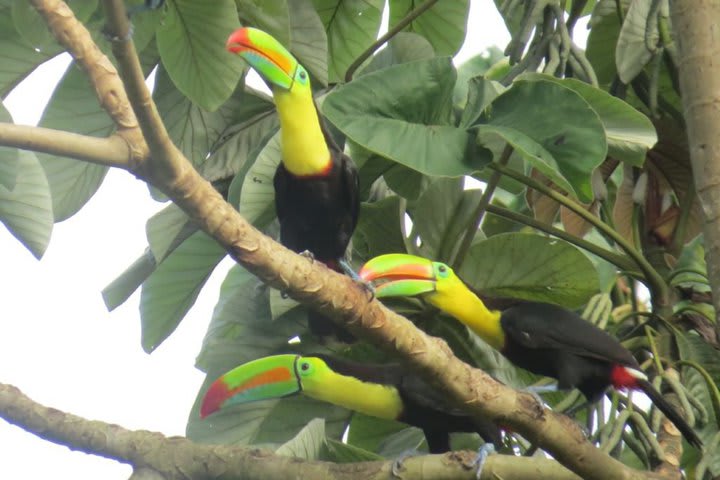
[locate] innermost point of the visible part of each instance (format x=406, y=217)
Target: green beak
x=405, y=275
x=261, y=379
x=264, y=54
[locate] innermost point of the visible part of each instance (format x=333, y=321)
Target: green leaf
x=368, y=432
x=480, y=93
x=403, y=113
x=691, y=269
x=339, y=452
x=402, y=48
x=409, y=438
x=9, y=157
x=271, y=17
x=351, y=26
x=378, y=229
x=471, y=68
x=120, y=289
x=172, y=288
x=630, y=134
x=603, y=39
x=26, y=210
x=406, y=182
x=561, y=122
x=443, y=25
x=193, y=129
x=307, y=444
x=631, y=51
x=530, y=267
x=33, y=28
x=441, y=217
x=257, y=197
x=17, y=58
x=73, y=107
x=309, y=41
x=167, y=229
x=191, y=42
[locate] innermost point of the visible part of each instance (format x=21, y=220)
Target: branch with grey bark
x=310, y=283
x=155, y=456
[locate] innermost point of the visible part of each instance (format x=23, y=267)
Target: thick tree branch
x=315, y=285
x=155, y=456
x=696, y=30
x=112, y=151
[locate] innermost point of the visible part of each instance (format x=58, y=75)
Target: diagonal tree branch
x=315, y=285
x=155, y=456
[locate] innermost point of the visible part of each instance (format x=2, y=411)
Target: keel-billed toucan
x=316, y=185
x=384, y=391
x=542, y=338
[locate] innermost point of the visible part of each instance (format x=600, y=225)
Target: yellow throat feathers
x=372, y=399
x=458, y=301
x=304, y=151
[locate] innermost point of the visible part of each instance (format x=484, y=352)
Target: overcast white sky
x=59, y=344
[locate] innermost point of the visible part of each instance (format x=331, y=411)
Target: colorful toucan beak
x=264, y=54
x=403, y=275
x=261, y=379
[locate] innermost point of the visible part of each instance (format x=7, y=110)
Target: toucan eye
x=305, y=366
x=303, y=75
x=442, y=268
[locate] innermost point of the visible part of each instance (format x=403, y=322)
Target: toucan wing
x=545, y=326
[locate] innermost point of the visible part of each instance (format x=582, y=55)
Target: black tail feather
x=671, y=413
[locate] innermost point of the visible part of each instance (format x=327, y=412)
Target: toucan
x=316, y=185
x=386, y=391
x=540, y=337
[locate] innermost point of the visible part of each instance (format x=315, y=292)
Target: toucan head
x=262, y=379
x=403, y=275
x=269, y=58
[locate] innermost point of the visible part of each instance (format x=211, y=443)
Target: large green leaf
x=403, y=113
x=472, y=68
x=630, y=134
x=271, y=17
x=193, y=129
x=480, y=93
x=308, y=443
x=309, y=41
x=257, y=197
x=9, y=157
x=691, y=269
x=369, y=432
x=402, y=48
x=167, y=229
x=73, y=107
x=443, y=25
x=637, y=36
x=378, y=229
x=120, y=289
x=441, y=217
x=26, y=210
x=541, y=118
x=531, y=267
x=339, y=452
x=603, y=39
x=351, y=26
x=172, y=288
x=17, y=58
x=191, y=42
x=33, y=28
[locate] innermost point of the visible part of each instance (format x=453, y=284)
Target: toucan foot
x=535, y=390
x=348, y=270
x=110, y=37
x=397, y=465
x=482, y=454
x=308, y=254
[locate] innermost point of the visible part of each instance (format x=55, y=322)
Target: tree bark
x=696, y=27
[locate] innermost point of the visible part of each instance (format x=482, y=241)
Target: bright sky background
x=59, y=344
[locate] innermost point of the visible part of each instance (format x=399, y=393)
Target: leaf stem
x=409, y=18
x=479, y=212
x=657, y=285
x=616, y=259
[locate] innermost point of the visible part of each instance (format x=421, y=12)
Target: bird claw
x=348, y=270
x=482, y=454
x=398, y=463
x=308, y=254
x=535, y=390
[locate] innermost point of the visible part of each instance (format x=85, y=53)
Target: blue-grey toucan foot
x=482, y=454
x=308, y=254
x=147, y=5
x=535, y=390
x=398, y=463
x=348, y=270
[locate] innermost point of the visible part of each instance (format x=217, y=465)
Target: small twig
x=407, y=20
